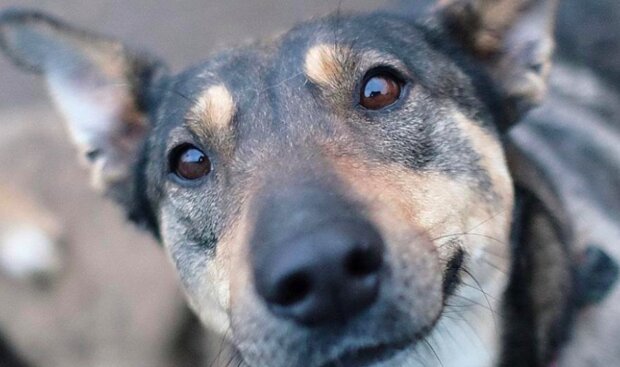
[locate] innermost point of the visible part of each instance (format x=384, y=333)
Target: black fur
x=8, y=355
x=530, y=340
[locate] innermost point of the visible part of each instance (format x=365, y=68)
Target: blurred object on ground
x=116, y=299
x=8, y=356
x=30, y=238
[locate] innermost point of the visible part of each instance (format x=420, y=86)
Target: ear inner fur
x=101, y=87
x=513, y=40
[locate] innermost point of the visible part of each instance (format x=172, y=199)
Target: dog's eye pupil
x=379, y=91
x=190, y=163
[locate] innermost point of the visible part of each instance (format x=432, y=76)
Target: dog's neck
x=552, y=278
x=540, y=297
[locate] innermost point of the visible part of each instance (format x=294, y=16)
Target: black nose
x=329, y=273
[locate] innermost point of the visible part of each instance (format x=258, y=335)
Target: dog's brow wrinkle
x=214, y=109
x=280, y=82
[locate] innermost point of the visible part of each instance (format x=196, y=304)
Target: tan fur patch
x=514, y=39
x=491, y=19
x=214, y=111
x=421, y=212
x=226, y=278
x=323, y=66
x=496, y=18
x=491, y=154
x=17, y=208
x=435, y=205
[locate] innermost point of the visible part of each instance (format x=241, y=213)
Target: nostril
x=293, y=289
x=330, y=273
x=363, y=261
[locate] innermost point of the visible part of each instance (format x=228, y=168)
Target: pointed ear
x=512, y=39
x=103, y=89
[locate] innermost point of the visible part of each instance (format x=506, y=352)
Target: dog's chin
x=387, y=350
x=382, y=354
x=386, y=353
x=383, y=348
x=351, y=345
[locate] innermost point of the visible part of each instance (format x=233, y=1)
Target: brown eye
x=380, y=90
x=189, y=162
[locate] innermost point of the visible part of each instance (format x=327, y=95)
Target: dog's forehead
x=268, y=86
x=256, y=102
x=267, y=97
x=280, y=67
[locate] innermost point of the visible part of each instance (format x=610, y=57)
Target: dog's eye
x=380, y=89
x=189, y=162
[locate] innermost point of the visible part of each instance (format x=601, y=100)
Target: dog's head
x=336, y=197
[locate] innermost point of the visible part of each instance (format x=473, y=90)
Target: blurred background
x=113, y=299
x=104, y=294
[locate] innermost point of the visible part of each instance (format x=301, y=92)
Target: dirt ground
x=116, y=301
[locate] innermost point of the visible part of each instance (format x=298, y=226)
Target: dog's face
x=338, y=196
x=326, y=193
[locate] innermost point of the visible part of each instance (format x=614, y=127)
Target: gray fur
x=289, y=131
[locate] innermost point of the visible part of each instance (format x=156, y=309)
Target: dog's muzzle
x=315, y=259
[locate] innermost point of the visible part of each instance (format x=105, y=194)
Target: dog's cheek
x=441, y=209
x=495, y=209
x=226, y=286
x=492, y=159
x=256, y=333
x=414, y=262
x=406, y=207
x=235, y=259
x=486, y=217
x=200, y=270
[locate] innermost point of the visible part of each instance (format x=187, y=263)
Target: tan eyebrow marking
x=323, y=65
x=214, y=110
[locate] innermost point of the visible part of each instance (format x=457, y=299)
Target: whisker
x=221, y=347
x=468, y=234
x=468, y=324
x=429, y=345
x=476, y=288
x=488, y=219
x=471, y=302
x=486, y=296
x=280, y=82
x=499, y=256
x=489, y=263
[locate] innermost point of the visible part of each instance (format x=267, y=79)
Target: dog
x=347, y=194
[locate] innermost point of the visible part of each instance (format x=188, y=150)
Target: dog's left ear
x=104, y=90
x=513, y=39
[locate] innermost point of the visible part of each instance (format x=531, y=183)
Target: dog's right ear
x=104, y=90
x=512, y=40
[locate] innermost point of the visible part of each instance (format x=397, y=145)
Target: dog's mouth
x=372, y=355
x=383, y=352
x=379, y=353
